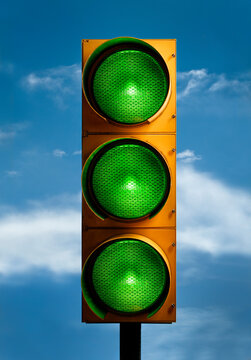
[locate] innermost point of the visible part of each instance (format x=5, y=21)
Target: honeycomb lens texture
x=130, y=86
x=129, y=181
x=129, y=276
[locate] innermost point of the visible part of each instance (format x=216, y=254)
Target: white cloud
x=199, y=74
x=78, y=152
x=33, y=81
x=12, y=173
x=6, y=135
x=188, y=156
x=193, y=79
x=212, y=217
x=59, y=153
x=55, y=79
x=59, y=82
x=40, y=239
x=219, y=84
x=235, y=85
x=11, y=130
x=200, y=333
x=202, y=82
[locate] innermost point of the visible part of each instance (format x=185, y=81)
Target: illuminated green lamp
x=126, y=276
x=126, y=179
x=126, y=81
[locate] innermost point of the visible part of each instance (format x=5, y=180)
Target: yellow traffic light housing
x=129, y=180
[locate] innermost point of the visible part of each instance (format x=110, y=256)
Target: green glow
x=131, y=90
x=131, y=279
x=129, y=276
x=131, y=185
x=129, y=180
x=130, y=86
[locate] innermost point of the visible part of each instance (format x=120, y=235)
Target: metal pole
x=130, y=341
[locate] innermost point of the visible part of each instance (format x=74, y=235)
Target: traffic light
x=128, y=181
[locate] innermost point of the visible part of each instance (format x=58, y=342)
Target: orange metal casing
x=165, y=240
x=161, y=134
x=165, y=144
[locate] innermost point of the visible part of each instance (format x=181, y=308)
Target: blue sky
x=40, y=173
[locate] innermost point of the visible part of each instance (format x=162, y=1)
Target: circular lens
x=129, y=276
x=128, y=179
x=129, y=86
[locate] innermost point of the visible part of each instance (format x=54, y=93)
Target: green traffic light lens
x=129, y=276
x=128, y=179
x=130, y=86
x=126, y=80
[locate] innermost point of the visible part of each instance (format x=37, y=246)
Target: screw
x=173, y=305
x=173, y=211
x=173, y=150
x=173, y=116
x=173, y=55
x=173, y=244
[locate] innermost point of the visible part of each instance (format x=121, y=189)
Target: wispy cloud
x=212, y=215
x=193, y=80
x=59, y=82
x=54, y=79
x=201, y=81
x=4, y=135
x=11, y=173
x=78, y=152
x=199, y=332
x=188, y=156
x=11, y=130
x=236, y=85
x=59, y=153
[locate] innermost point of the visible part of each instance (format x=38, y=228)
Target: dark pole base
x=130, y=341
